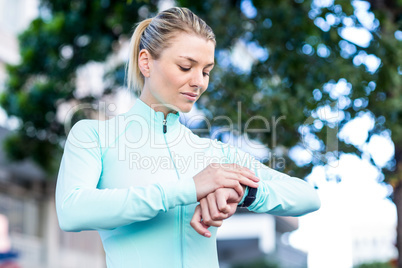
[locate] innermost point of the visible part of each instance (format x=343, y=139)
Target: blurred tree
x=376, y=265
x=297, y=57
x=67, y=35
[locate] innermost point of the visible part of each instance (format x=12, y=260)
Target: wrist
x=248, y=197
x=245, y=192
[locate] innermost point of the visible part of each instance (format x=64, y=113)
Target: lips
x=190, y=94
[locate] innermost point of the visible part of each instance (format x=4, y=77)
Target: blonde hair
x=154, y=34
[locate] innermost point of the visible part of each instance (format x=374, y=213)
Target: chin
x=186, y=108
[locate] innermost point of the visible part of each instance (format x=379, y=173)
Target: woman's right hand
x=217, y=175
x=213, y=209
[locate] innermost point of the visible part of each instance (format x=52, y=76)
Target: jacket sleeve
x=277, y=193
x=81, y=206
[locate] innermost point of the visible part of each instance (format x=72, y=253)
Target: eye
x=205, y=74
x=184, y=69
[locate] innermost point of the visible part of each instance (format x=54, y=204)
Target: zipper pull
x=164, y=126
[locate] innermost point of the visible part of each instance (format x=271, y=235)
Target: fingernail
x=207, y=235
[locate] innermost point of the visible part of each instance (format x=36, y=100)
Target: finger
x=234, y=184
x=237, y=168
x=232, y=196
x=232, y=208
x=246, y=173
x=198, y=225
x=251, y=175
x=242, y=179
x=221, y=201
x=214, y=211
x=196, y=222
x=206, y=217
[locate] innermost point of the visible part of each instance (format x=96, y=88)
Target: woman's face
x=176, y=80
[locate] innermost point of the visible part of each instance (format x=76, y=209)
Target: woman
x=137, y=178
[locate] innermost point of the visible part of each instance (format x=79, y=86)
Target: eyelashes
x=184, y=69
x=188, y=69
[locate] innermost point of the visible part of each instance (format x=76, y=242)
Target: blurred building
x=373, y=242
x=248, y=238
x=27, y=200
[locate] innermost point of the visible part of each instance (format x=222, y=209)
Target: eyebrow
x=193, y=60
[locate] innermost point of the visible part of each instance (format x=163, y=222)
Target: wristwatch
x=249, y=199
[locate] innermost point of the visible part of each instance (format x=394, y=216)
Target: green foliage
x=283, y=84
x=375, y=265
x=68, y=35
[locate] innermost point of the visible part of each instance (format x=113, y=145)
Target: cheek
x=173, y=78
x=164, y=74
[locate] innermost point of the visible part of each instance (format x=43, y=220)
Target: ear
x=144, y=62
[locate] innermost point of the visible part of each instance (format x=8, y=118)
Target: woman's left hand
x=213, y=209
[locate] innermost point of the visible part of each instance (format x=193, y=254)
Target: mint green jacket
x=131, y=179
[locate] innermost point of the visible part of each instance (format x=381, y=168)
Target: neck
x=157, y=107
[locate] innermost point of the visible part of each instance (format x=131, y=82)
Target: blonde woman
x=153, y=190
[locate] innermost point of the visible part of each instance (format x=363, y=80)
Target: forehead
x=190, y=45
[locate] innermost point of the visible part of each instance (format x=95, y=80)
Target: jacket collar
x=153, y=118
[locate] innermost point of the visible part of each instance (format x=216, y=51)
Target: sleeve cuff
x=181, y=192
x=244, y=196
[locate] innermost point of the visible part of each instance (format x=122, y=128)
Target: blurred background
x=326, y=75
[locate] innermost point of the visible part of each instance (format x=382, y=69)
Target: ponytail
x=135, y=79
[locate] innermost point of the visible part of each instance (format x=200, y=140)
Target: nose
x=197, y=80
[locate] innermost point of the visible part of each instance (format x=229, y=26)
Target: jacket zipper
x=164, y=127
x=181, y=236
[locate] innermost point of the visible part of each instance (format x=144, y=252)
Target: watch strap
x=249, y=199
